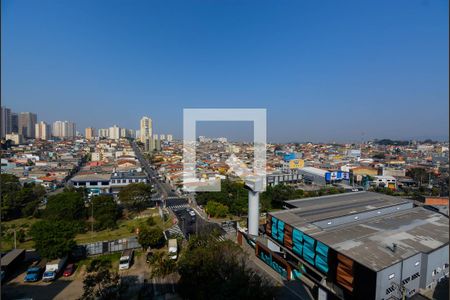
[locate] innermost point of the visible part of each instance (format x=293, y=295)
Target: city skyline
x=323, y=74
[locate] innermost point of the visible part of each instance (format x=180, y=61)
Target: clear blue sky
x=325, y=70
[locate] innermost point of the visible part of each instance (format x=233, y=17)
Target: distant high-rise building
x=103, y=133
x=6, y=123
x=169, y=137
x=64, y=129
x=57, y=129
x=89, y=133
x=162, y=137
x=69, y=129
x=146, y=129
x=27, y=123
x=114, y=132
x=42, y=131
x=14, y=122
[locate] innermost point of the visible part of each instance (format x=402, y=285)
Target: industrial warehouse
x=359, y=245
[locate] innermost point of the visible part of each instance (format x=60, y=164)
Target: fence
x=106, y=247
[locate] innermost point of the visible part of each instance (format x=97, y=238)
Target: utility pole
x=15, y=240
x=92, y=216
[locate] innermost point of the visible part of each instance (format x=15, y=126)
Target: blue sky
x=324, y=70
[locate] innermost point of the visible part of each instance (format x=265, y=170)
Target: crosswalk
x=178, y=206
x=174, y=231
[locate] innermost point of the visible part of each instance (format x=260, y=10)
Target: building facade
x=43, y=131
x=6, y=122
x=27, y=123
x=146, y=129
x=358, y=245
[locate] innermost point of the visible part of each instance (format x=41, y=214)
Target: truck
x=126, y=259
x=52, y=268
x=11, y=260
x=173, y=248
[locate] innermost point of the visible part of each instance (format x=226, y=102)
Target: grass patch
x=125, y=228
x=7, y=238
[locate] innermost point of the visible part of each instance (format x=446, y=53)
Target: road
x=163, y=189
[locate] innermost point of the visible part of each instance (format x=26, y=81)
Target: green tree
x=136, y=196
x=218, y=270
x=53, y=239
x=18, y=201
x=106, y=212
x=101, y=283
x=215, y=209
x=151, y=237
x=68, y=206
x=162, y=265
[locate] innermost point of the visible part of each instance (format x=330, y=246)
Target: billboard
x=290, y=156
x=296, y=164
x=337, y=175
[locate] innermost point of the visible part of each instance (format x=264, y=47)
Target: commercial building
x=169, y=137
x=27, y=123
x=6, y=122
x=14, y=122
x=146, y=129
x=89, y=133
x=359, y=245
x=42, y=131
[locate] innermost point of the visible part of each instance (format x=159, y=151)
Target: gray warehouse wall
x=435, y=262
x=384, y=282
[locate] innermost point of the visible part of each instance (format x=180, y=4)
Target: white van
x=126, y=259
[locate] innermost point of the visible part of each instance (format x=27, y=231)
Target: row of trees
x=233, y=197
x=17, y=200
x=68, y=213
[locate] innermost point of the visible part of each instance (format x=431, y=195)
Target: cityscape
x=110, y=198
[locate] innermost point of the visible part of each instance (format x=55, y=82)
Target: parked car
x=33, y=274
x=69, y=270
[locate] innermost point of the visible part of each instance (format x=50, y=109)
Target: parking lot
x=62, y=288
x=65, y=288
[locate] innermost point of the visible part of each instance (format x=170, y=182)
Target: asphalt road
x=164, y=189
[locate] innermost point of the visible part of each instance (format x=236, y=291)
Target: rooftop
x=364, y=226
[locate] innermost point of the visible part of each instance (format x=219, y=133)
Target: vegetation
x=106, y=212
x=68, y=207
x=100, y=282
x=219, y=270
x=135, y=196
x=234, y=196
x=52, y=238
x=18, y=201
x=162, y=265
x=216, y=209
x=151, y=237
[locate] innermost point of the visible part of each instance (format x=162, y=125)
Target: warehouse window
x=417, y=263
x=392, y=276
x=390, y=290
x=415, y=275
x=406, y=280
